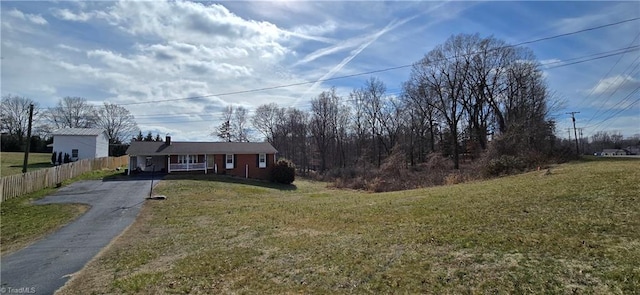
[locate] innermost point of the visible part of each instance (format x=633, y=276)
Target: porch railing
x=187, y=167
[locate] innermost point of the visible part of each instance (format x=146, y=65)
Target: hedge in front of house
x=283, y=172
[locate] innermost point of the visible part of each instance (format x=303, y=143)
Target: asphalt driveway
x=45, y=266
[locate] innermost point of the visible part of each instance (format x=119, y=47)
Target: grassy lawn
x=22, y=223
x=576, y=230
x=11, y=163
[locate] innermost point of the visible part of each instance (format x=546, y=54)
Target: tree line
x=469, y=96
x=69, y=112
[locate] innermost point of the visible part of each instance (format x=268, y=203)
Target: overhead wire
x=375, y=71
x=581, y=59
x=629, y=106
x=595, y=114
x=568, y=62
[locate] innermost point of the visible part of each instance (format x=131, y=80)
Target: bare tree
x=240, y=118
x=14, y=115
x=444, y=74
x=225, y=131
x=418, y=101
x=359, y=124
x=72, y=112
x=291, y=137
x=324, y=111
x=374, y=91
x=117, y=121
x=266, y=120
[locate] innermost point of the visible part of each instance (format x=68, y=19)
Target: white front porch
x=182, y=163
x=187, y=167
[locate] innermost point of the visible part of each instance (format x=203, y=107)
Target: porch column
x=205, y=163
x=129, y=170
x=169, y=164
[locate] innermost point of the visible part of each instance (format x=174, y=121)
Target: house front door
x=211, y=160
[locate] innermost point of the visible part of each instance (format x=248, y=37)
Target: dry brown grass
x=574, y=231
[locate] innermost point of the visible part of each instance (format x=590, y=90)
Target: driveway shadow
x=231, y=179
x=138, y=176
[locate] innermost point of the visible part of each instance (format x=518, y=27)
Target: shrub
x=283, y=172
x=504, y=165
x=454, y=178
x=67, y=158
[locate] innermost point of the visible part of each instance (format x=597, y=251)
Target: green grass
x=11, y=163
x=574, y=231
x=23, y=223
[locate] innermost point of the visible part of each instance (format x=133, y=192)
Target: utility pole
x=575, y=133
x=582, y=141
x=26, y=151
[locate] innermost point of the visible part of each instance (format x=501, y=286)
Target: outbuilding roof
x=158, y=148
x=78, y=131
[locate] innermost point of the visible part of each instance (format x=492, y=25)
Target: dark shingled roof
x=156, y=148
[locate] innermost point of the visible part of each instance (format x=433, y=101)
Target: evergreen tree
x=224, y=131
x=149, y=137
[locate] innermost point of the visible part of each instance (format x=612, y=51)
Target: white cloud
x=67, y=14
x=614, y=84
x=69, y=48
x=549, y=62
x=34, y=18
x=140, y=53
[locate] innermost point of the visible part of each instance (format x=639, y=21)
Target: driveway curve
x=46, y=265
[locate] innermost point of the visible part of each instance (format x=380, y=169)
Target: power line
x=379, y=70
x=608, y=86
x=598, y=56
x=628, y=71
x=620, y=110
x=591, y=59
x=577, y=32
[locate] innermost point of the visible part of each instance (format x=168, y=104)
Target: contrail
x=371, y=38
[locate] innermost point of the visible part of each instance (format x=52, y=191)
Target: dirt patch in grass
x=575, y=230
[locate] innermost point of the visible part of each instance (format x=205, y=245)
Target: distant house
x=633, y=150
x=243, y=159
x=613, y=152
x=81, y=143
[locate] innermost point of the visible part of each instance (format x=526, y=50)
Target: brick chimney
x=167, y=141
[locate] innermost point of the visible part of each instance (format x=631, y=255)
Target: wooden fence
x=20, y=184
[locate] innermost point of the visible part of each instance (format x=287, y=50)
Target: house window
x=184, y=159
x=74, y=153
x=229, y=161
x=262, y=160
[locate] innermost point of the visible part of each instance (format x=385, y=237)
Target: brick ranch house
x=242, y=159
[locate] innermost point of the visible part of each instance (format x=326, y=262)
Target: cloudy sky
x=152, y=56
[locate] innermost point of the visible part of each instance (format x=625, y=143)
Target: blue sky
x=139, y=53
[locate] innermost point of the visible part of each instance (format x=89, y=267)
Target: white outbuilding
x=81, y=143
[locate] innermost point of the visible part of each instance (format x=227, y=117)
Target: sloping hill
x=576, y=229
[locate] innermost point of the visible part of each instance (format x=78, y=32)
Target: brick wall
x=244, y=161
